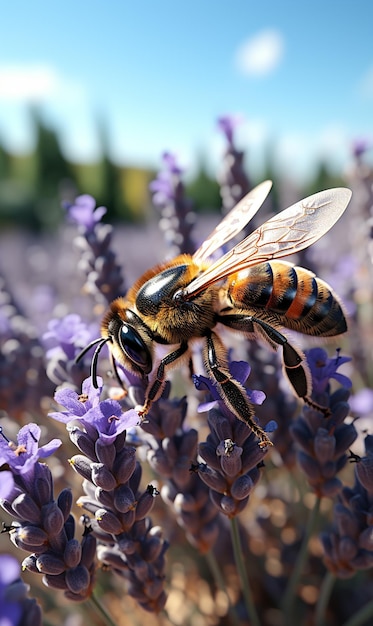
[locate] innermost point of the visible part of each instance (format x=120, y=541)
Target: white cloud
x=35, y=83
x=260, y=54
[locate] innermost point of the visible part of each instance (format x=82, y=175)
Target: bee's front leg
x=156, y=386
x=231, y=391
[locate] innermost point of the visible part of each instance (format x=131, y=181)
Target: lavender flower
x=323, y=369
x=64, y=340
x=172, y=451
x=98, y=262
x=127, y=541
x=42, y=526
x=22, y=375
x=348, y=546
x=177, y=217
x=15, y=608
x=234, y=182
x=106, y=418
x=231, y=452
x=84, y=212
x=323, y=441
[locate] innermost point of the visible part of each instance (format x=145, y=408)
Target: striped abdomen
x=293, y=296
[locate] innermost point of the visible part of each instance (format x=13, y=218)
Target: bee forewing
x=235, y=221
x=294, y=229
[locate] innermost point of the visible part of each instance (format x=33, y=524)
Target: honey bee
x=190, y=298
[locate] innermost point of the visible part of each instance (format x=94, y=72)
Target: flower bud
x=88, y=548
x=82, y=465
x=124, y=464
x=230, y=457
x=55, y=582
x=49, y=563
x=124, y=499
x=53, y=519
x=102, y=477
x=65, y=501
x=108, y=522
x=145, y=503
x=43, y=484
x=77, y=579
x=83, y=442
x=208, y=453
x=25, y=508
x=213, y=479
x=105, y=453
x=324, y=445
x=242, y=486
x=72, y=553
x=33, y=536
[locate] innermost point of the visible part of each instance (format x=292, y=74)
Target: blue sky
x=159, y=74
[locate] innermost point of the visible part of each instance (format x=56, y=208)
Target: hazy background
x=92, y=93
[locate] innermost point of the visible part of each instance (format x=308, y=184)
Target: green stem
x=102, y=611
x=362, y=616
x=220, y=583
x=293, y=583
x=246, y=590
x=323, y=600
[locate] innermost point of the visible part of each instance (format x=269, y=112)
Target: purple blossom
x=22, y=457
x=323, y=368
x=227, y=124
x=10, y=610
x=67, y=335
x=106, y=417
x=163, y=187
x=360, y=146
x=240, y=371
x=362, y=402
x=6, y=484
x=84, y=213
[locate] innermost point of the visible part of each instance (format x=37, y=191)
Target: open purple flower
x=68, y=334
x=84, y=212
x=240, y=371
x=323, y=368
x=106, y=417
x=22, y=457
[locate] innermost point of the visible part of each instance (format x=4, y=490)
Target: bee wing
x=234, y=222
x=288, y=232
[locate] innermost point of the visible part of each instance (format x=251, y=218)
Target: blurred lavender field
x=184, y=520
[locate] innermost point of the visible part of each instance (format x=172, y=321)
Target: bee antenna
x=86, y=349
x=100, y=345
x=100, y=342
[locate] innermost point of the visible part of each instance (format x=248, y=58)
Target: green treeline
x=32, y=186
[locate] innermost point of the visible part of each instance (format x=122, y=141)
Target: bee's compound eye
x=135, y=348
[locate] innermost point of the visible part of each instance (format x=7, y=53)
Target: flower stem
x=324, y=595
x=362, y=616
x=293, y=583
x=219, y=581
x=246, y=590
x=101, y=610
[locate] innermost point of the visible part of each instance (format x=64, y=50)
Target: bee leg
x=156, y=387
x=230, y=390
x=295, y=366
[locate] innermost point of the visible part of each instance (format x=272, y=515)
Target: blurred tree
x=111, y=194
x=5, y=163
x=52, y=173
x=204, y=190
x=324, y=179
